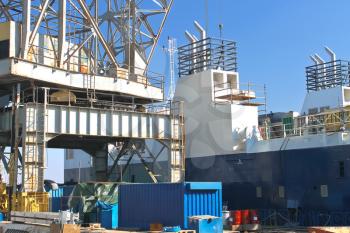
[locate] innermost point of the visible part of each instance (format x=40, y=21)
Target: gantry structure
x=75, y=74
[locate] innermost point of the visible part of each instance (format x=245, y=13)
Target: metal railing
x=327, y=75
x=85, y=65
x=209, y=53
x=249, y=94
x=327, y=122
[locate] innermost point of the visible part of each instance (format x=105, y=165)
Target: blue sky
x=275, y=38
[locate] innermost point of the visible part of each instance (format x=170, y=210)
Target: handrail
x=81, y=64
x=327, y=122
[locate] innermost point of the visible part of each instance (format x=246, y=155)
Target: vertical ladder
x=34, y=146
x=177, y=143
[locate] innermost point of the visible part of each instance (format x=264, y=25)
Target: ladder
x=177, y=143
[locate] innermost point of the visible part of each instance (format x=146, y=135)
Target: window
x=219, y=81
x=313, y=111
x=281, y=191
x=4, y=49
x=258, y=192
x=69, y=154
x=341, y=169
x=324, y=190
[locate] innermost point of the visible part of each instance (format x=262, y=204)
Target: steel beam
x=26, y=6
x=155, y=41
x=38, y=22
x=62, y=20
x=3, y=158
x=99, y=34
x=5, y=11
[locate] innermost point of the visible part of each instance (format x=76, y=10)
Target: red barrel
x=254, y=217
x=237, y=217
x=245, y=217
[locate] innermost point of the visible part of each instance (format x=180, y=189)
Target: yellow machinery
x=32, y=202
x=3, y=198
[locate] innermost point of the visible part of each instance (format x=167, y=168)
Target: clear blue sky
x=275, y=38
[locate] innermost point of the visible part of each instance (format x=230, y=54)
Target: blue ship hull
x=300, y=173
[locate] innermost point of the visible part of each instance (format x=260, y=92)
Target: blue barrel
x=108, y=215
x=2, y=217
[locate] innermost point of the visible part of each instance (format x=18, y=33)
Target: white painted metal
x=218, y=128
x=100, y=122
x=28, y=70
x=334, y=97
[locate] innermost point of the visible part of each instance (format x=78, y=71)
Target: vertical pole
x=79, y=171
x=62, y=32
x=25, y=27
x=14, y=145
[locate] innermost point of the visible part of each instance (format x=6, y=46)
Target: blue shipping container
x=60, y=197
x=206, y=224
x=167, y=203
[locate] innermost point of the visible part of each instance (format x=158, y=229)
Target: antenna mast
x=171, y=50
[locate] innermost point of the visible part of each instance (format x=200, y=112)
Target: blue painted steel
x=59, y=198
x=167, y=203
x=203, y=186
x=206, y=224
x=172, y=229
x=2, y=217
x=108, y=215
x=301, y=172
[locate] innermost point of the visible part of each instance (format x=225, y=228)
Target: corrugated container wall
x=59, y=198
x=167, y=203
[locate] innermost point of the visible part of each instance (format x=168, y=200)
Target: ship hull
x=306, y=179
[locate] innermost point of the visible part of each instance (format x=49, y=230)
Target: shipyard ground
x=33, y=228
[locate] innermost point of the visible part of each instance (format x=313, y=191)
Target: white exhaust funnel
x=322, y=73
x=192, y=40
x=201, y=30
x=203, y=48
x=334, y=65
x=190, y=37
x=319, y=59
x=314, y=60
x=331, y=53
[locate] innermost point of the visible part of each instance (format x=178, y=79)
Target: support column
x=14, y=144
x=100, y=164
x=26, y=5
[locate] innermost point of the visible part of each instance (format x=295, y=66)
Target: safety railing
x=248, y=94
x=86, y=65
x=327, y=122
x=327, y=75
x=209, y=53
x=65, y=97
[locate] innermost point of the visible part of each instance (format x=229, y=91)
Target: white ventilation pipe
x=333, y=57
x=201, y=30
x=330, y=52
x=323, y=72
x=192, y=40
x=189, y=37
x=203, y=48
x=314, y=60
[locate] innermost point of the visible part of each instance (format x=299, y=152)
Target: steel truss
x=111, y=33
